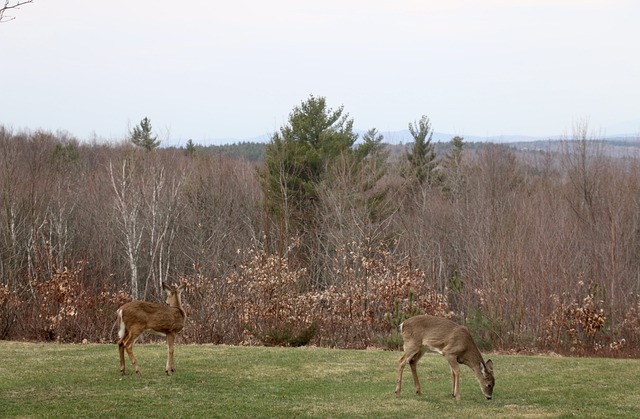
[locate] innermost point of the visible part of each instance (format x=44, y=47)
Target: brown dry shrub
x=9, y=306
x=357, y=310
x=64, y=309
x=266, y=290
x=629, y=329
x=576, y=325
x=211, y=311
x=272, y=306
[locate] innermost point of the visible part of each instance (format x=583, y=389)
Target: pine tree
x=422, y=156
x=191, y=148
x=142, y=136
x=297, y=158
x=453, y=179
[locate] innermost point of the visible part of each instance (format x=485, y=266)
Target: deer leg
x=413, y=363
x=121, y=352
x=132, y=357
x=406, y=357
x=170, y=368
x=455, y=376
x=401, y=364
x=128, y=345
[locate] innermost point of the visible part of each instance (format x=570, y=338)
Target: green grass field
x=51, y=380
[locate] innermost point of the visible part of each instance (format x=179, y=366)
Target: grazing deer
x=136, y=317
x=452, y=341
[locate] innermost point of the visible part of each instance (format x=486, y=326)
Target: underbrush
x=266, y=301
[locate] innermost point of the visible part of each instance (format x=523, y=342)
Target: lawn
x=52, y=380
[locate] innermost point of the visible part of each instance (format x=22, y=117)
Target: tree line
x=328, y=239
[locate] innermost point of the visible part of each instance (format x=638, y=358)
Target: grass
x=51, y=380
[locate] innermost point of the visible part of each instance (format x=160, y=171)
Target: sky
x=210, y=71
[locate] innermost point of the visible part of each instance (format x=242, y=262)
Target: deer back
x=150, y=316
x=443, y=336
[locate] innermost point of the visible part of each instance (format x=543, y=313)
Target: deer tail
x=121, y=325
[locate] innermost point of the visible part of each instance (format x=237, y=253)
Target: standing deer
x=136, y=317
x=452, y=341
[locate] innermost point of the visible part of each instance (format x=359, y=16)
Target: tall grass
x=54, y=380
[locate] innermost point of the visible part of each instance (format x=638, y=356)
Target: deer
x=136, y=317
x=453, y=341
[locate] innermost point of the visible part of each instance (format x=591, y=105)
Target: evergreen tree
x=371, y=144
x=142, y=136
x=422, y=156
x=191, y=148
x=453, y=179
x=371, y=158
x=297, y=158
x=455, y=157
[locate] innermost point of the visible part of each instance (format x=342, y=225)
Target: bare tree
x=161, y=200
x=129, y=206
x=356, y=207
x=11, y=218
x=8, y=5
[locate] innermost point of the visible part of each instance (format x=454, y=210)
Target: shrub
x=212, y=312
x=576, y=325
x=9, y=305
x=271, y=309
x=64, y=308
x=393, y=341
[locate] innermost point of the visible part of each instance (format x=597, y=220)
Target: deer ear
x=489, y=365
x=483, y=370
x=166, y=287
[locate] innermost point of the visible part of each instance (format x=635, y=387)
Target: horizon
x=405, y=138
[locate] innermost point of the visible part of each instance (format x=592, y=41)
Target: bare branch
x=8, y=5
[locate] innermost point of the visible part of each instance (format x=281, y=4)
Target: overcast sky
x=206, y=70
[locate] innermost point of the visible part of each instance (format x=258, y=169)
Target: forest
x=328, y=238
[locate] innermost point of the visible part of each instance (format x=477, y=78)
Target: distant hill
x=626, y=130
x=397, y=147
x=254, y=148
x=404, y=137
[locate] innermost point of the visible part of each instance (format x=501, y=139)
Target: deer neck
x=177, y=304
x=182, y=312
x=473, y=359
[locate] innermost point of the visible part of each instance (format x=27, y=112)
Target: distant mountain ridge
x=404, y=137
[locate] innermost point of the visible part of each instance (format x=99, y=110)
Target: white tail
x=452, y=341
x=140, y=316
